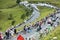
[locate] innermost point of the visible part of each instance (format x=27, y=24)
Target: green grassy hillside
x=8, y=7
x=7, y=3
x=5, y=23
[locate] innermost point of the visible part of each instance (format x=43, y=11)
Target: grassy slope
x=45, y=11
x=4, y=23
x=7, y=7
x=7, y=3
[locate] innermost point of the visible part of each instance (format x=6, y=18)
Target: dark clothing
x=39, y=28
x=28, y=28
x=7, y=35
x=25, y=29
x=15, y=31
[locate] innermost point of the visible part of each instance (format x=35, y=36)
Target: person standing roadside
x=15, y=31
x=7, y=33
x=1, y=37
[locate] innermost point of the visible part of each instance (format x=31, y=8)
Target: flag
x=20, y=37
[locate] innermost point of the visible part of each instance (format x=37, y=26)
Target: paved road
x=35, y=14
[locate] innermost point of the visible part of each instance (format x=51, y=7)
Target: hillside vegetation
x=10, y=9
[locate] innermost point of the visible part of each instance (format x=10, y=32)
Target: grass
x=55, y=33
x=5, y=10
x=45, y=11
x=5, y=23
x=10, y=7
x=7, y=3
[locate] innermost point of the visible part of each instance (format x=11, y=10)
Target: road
x=35, y=14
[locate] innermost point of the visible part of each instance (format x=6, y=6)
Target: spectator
x=39, y=28
x=40, y=23
x=1, y=37
x=7, y=34
x=49, y=21
x=29, y=29
x=15, y=31
x=25, y=28
x=37, y=23
x=11, y=32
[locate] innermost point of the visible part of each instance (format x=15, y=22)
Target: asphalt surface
x=35, y=14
